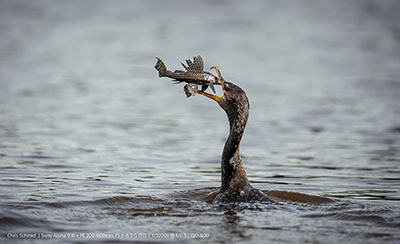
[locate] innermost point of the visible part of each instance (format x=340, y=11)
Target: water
x=94, y=147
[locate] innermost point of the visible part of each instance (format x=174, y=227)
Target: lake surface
x=94, y=147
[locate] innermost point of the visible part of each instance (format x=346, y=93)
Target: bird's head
x=233, y=98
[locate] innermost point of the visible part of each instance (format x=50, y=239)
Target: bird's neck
x=233, y=174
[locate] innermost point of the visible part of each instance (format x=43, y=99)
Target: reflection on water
x=92, y=141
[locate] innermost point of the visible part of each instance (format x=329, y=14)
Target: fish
x=194, y=75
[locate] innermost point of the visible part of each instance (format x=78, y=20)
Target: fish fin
x=177, y=81
x=189, y=62
x=190, y=89
x=186, y=89
x=197, y=65
x=184, y=66
x=160, y=67
x=212, y=88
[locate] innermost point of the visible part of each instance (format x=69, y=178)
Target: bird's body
x=235, y=186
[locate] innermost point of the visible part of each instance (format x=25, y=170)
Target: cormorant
x=235, y=186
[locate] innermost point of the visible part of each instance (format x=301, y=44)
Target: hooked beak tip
x=221, y=80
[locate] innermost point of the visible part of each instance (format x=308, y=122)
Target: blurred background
x=84, y=115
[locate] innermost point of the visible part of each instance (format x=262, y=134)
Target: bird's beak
x=211, y=96
x=221, y=80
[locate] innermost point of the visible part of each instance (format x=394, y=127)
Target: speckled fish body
x=194, y=74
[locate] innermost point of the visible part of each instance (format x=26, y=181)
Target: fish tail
x=160, y=67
